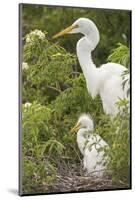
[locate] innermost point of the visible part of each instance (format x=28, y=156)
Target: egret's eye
x=76, y=26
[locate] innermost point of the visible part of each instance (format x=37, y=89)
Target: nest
x=74, y=179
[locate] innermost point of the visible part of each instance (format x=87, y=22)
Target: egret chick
x=92, y=146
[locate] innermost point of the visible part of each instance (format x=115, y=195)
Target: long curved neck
x=84, y=49
x=82, y=137
x=81, y=140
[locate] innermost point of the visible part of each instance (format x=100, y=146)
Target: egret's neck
x=84, y=49
x=81, y=139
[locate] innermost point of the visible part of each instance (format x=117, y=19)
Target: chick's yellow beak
x=75, y=128
x=65, y=31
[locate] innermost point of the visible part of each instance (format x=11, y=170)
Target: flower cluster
x=30, y=36
x=27, y=104
x=25, y=66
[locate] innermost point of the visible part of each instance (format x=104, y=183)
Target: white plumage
x=105, y=80
x=92, y=146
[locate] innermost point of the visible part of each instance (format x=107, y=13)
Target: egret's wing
x=113, y=68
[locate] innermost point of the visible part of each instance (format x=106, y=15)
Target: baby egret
x=105, y=80
x=92, y=146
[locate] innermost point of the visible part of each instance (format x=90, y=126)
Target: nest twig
x=73, y=178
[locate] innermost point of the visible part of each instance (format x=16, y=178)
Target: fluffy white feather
x=92, y=147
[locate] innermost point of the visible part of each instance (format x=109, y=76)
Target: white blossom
x=37, y=32
x=28, y=39
x=27, y=104
x=25, y=66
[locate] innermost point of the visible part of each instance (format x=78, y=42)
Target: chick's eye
x=76, y=26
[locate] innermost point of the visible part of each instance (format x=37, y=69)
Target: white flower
x=25, y=66
x=28, y=39
x=27, y=104
x=37, y=32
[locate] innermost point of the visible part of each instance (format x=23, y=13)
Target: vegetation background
x=54, y=94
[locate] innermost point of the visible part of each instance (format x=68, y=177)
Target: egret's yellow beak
x=65, y=31
x=75, y=128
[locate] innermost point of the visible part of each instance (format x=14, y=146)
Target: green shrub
x=49, y=66
x=36, y=134
x=54, y=94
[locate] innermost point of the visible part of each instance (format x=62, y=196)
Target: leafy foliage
x=54, y=94
x=113, y=25
x=120, y=55
x=116, y=132
x=120, y=149
x=49, y=67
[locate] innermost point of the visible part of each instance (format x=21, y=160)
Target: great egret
x=92, y=146
x=105, y=80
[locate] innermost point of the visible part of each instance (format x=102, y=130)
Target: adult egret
x=105, y=80
x=92, y=146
